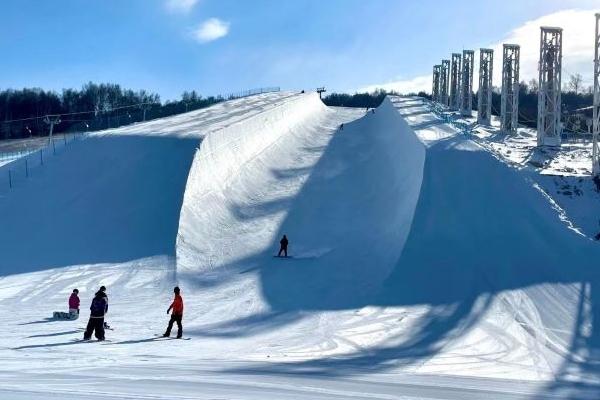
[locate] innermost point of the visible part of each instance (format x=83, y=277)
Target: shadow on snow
x=108, y=199
x=479, y=229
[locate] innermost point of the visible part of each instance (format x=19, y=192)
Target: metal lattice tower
x=435, y=93
x=596, y=123
x=549, y=96
x=444, y=81
x=509, y=108
x=466, y=86
x=484, y=94
x=455, y=69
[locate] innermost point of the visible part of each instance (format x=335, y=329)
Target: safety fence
x=13, y=155
x=453, y=119
x=576, y=137
x=252, y=92
x=18, y=170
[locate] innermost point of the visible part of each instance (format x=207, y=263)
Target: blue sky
x=156, y=44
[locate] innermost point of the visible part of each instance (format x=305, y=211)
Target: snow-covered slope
x=423, y=266
x=113, y=197
x=508, y=269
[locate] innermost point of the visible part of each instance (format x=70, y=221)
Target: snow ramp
x=406, y=256
x=498, y=266
x=345, y=196
x=112, y=198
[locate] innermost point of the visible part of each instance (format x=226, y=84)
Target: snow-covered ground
x=426, y=265
x=563, y=173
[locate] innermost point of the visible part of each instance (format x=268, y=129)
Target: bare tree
x=533, y=86
x=575, y=83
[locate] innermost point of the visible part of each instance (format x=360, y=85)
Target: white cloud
x=578, y=45
x=211, y=29
x=414, y=85
x=578, y=51
x=182, y=6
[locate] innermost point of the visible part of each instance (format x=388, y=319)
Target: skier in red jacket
x=176, y=315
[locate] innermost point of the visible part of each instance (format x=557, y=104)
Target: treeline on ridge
x=93, y=107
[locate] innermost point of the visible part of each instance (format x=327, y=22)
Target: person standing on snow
x=103, y=290
x=283, y=246
x=74, y=304
x=98, y=310
x=176, y=315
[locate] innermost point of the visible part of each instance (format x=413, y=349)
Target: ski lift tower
x=549, y=94
x=596, y=122
x=435, y=93
x=509, y=108
x=484, y=94
x=321, y=90
x=51, y=120
x=444, y=75
x=455, y=68
x=466, y=87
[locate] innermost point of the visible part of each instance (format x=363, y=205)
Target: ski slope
x=424, y=267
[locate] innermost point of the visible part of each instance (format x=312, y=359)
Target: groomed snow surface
x=425, y=265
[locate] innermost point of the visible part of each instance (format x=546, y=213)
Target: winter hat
x=176, y=290
x=102, y=288
x=75, y=291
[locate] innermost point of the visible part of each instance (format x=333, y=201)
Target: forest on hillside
x=93, y=107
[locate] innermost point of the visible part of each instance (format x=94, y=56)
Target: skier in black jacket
x=284, y=245
x=103, y=290
x=98, y=310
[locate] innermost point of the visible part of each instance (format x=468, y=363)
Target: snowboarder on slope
x=74, y=304
x=98, y=310
x=176, y=315
x=284, y=245
x=103, y=290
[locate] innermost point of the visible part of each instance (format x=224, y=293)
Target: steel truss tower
x=484, y=94
x=466, y=87
x=595, y=154
x=435, y=93
x=549, y=96
x=444, y=81
x=455, y=69
x=509, y=108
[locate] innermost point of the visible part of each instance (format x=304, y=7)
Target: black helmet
x=75, y=291
x=176, y=290
x=103, y=288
